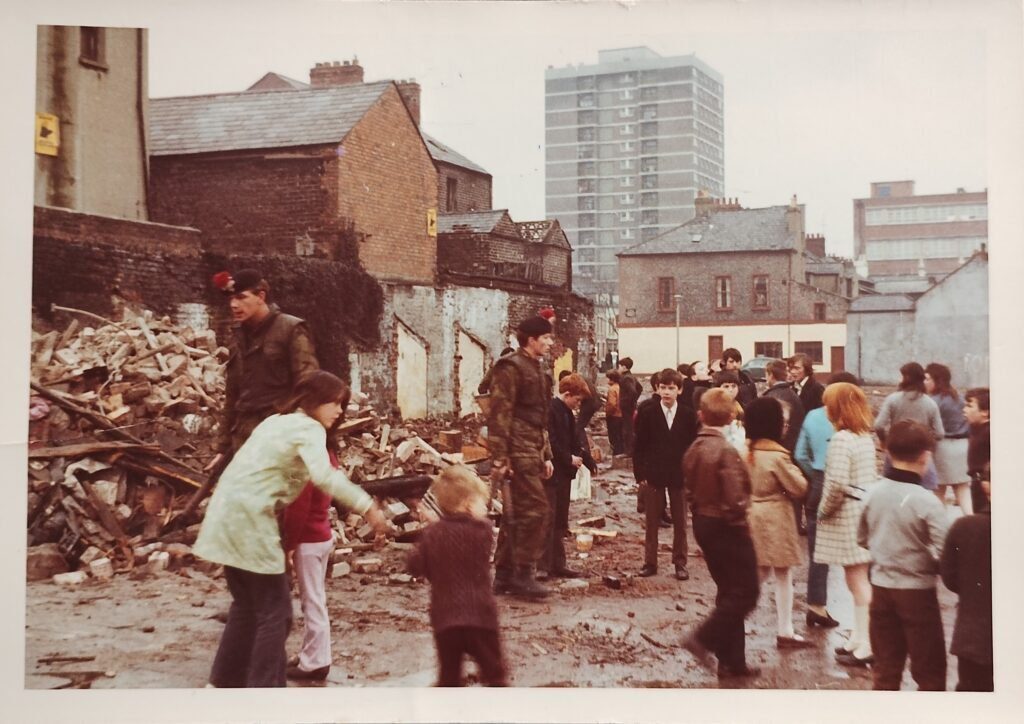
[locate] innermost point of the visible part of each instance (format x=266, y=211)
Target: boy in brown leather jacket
x=718, y=492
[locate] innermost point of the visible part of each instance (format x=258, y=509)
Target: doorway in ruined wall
x=412, y=374
x=472, y=359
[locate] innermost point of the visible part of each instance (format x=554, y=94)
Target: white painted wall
x=412, y=375
x=471, y=370
x=654, y=348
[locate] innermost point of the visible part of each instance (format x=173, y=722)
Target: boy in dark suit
x=664, y=431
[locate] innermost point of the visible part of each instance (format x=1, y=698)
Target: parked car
x=755, y=367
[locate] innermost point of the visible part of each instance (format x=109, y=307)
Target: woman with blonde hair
x=850, y=472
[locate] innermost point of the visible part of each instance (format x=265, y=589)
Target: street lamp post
x=678, y=299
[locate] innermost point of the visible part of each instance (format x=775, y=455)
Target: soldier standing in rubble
x=270, y=352
x=521, y=458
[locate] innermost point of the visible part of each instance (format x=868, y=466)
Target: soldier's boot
x=502, y=581
x=525, y=584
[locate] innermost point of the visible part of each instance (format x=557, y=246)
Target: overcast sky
x=820, y=98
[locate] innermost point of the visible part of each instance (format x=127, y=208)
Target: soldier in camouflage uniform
x=521, y=457
x=270, y=352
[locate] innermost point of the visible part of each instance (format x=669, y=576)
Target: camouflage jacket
x=517, y=425
x=264, y=365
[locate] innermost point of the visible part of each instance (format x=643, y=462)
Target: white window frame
x=625, y=233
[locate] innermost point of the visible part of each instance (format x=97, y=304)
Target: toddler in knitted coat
x=454, y=555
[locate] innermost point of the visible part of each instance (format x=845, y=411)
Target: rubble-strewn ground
x=144, y=630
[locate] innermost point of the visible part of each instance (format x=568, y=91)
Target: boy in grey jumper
x=904, y=527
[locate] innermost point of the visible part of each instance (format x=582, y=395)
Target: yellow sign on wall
x=432, y=223
x=47, y=134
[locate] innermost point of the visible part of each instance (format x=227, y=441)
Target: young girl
x=454, y=555
x=849, y=474
x=910, y=402
x=775, y=482
x=241, y=531
x=951, y=450
x=309, y=544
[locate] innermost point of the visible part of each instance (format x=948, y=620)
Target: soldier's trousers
x=525, y=517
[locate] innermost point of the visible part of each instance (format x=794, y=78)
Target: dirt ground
x=161, y=630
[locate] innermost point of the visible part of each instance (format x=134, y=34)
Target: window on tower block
x=452, y=186
x=666, y=294
x=723, y=293
x=811, y=349
x=761, y=291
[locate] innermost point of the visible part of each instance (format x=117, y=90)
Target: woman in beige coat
x=775, y=483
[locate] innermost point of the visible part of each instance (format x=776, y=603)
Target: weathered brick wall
x=504, y=259
x=87, y=262
x=274, y=202
x=387, y=182
x=84, y=261
x=694, y=276
x=574, y=323
x=472, y=190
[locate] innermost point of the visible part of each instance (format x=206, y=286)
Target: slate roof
x=247, y=120
x=445, y=154
x=882, y=303
x=743, y=230
x=477, y=222
x=277, y=81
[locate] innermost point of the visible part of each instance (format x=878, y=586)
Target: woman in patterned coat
x=849, y=475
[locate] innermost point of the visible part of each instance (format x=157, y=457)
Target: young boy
x=967, y=571
x=664, y=431
x=904, y=526
x=729, y=381
x=453, y=554
x=718, y=491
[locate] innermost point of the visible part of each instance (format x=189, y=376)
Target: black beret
x=534, y=327
x=241, y=281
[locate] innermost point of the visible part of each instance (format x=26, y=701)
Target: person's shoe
x=730, y=672
x=502, y=584
x=682, y=574
x=842, y=651
x=648, y=570
x=796, y=641
x=566, y=572
x=525, y=584
x=849, y=658
x=298, y=674
x=816, y=619
x=699, y=651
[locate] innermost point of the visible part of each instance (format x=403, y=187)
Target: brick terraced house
x=740, y=278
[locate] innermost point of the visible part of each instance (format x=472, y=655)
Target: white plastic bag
x=580, y=484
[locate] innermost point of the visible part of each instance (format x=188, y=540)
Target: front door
x=715, y=348
x=838, y=359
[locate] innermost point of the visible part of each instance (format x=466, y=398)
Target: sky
x=821, y=99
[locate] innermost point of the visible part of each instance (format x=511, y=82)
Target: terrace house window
x=819, y=311
x=811, y=349
x=723, y=293
x=761, y=291
x=92, y=50
x=666, y=293
x=768, y=349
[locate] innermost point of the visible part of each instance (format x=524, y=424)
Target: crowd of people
x=755, y=471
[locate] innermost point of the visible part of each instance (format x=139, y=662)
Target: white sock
x=862, y=619
x=784, y=601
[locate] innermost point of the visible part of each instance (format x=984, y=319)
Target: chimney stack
x=410, y=92
x=816, y=244
x=705, y=205
x=326, y=75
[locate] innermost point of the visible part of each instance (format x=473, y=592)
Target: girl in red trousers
x=309, y=544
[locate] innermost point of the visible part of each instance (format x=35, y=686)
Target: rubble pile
x=122, y=419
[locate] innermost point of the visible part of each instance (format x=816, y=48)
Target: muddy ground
x=162, y=631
